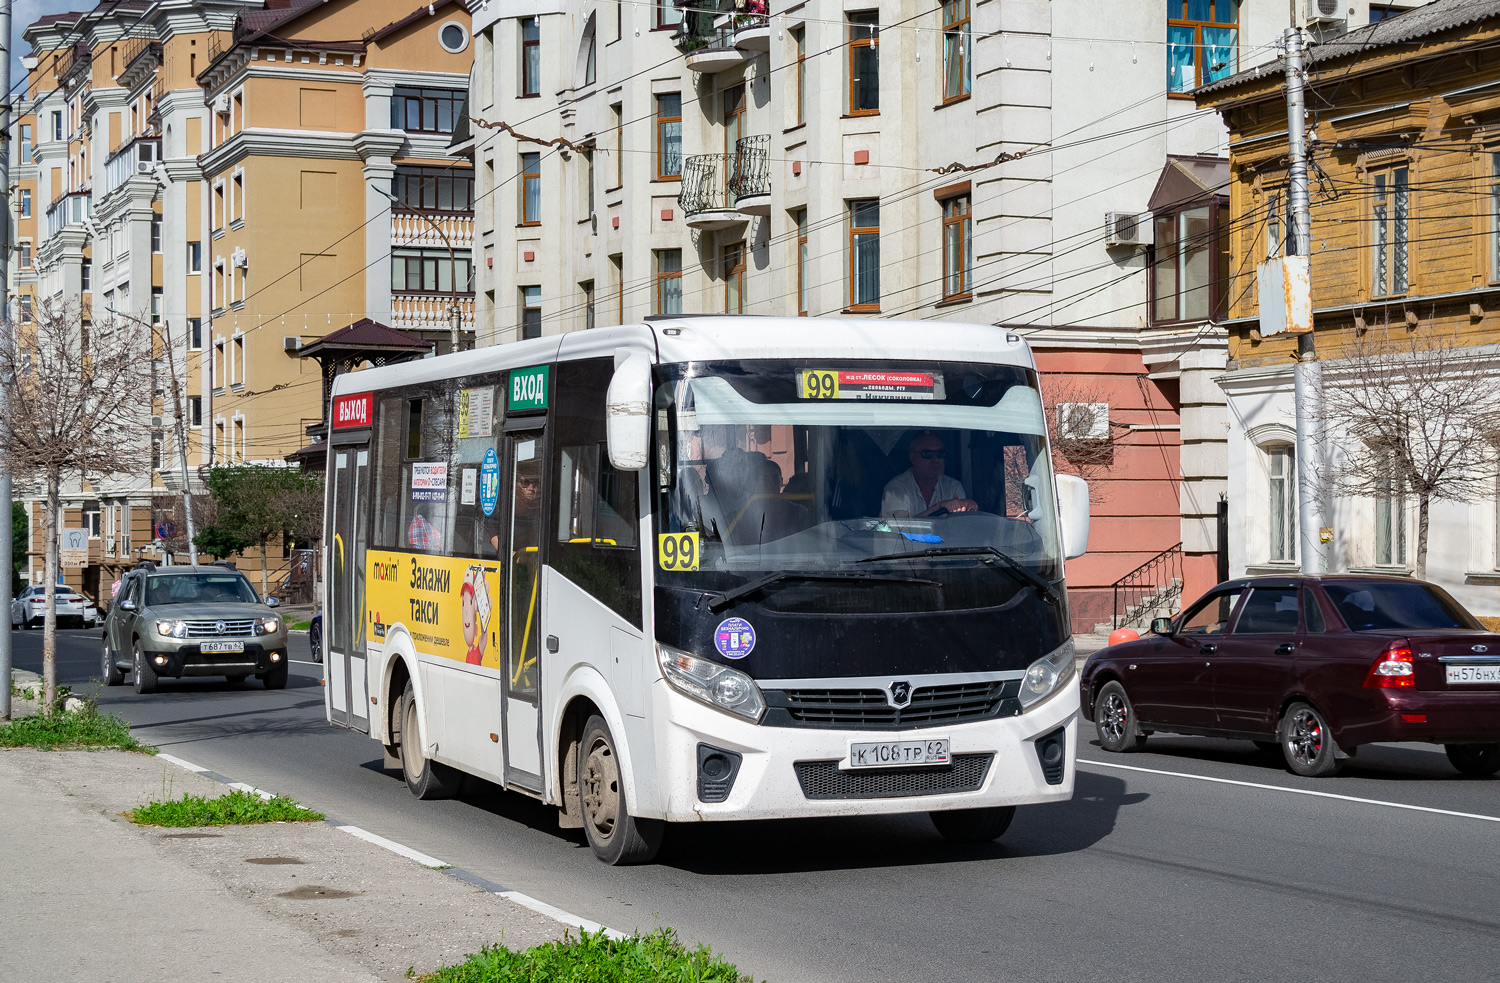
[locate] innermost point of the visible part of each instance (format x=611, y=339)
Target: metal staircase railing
x=1149, y=588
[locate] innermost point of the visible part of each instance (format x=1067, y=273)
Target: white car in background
x=29, y=609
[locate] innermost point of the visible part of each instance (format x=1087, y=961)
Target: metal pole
x=1307, y=373
x=5, y=490
x=180, y=410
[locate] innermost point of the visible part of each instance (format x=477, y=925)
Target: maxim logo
x=353, y=411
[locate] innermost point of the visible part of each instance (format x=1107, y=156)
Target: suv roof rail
x=224, y=563
x=144, y=565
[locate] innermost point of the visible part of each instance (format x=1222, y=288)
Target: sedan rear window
x=1378, y=606
x=200, y=589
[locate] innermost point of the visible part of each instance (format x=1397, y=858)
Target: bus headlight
x=719, y=686
x=1047, y=674
x=172, y=629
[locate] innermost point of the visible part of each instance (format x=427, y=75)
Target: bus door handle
x=552, y=644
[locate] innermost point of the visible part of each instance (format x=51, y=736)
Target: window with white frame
x=1390, y=513
x=1389, y=220
x=1281, y=477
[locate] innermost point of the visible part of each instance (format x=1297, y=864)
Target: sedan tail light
x=1394, y=669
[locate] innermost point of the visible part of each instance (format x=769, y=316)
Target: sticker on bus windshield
x=476, y=412
x=489, y=482
x=429, y=481
x=677, y=551
x=734, y=638
x=860, y=384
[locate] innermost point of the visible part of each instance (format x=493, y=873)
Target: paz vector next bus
x=710, y=568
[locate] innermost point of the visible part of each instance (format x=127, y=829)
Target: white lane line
x=304, y=662
x=557, y=914
x=391, y=845
x=1294, y=791
x=185, y=765
x=260, y=793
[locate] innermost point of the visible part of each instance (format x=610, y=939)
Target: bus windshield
x=863, y=486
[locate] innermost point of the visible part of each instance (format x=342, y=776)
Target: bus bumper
x=789, y=772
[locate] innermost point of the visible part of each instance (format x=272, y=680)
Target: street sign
x=166, y=529
x=75, y=548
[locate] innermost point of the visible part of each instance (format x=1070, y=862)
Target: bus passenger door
x=345, y=628
x=522, y=592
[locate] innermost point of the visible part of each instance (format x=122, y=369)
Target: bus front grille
x=930, y=706
x=824, y=780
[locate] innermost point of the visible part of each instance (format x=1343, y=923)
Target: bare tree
x=1082, y=437
x=75, y=392
x=1408, y=413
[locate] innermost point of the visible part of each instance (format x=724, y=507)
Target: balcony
x=423, y=311
x=721, y=34
x=74, y=63
x=720, y=191
x=413, y=228
x=136, y=47
x=138, y=156
x=752, y=27
x=70, y=209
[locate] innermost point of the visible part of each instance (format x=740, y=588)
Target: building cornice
x=409, y=76
x=379, y=143
x=183, y=169
x=263, y=142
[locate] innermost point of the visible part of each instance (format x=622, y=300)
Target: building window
x=24, y=249
x=454, y=37
x=434, y=189
x=617, y=285
x=26, y=143
x=195, y=257
x=26, y=307
x=237, y=199
x=666, y=14
x=531, y=189
x=617, y=118
x=958, y=246
x=1281, y=471
x=1189, y=257
x=531, y=312
x=590, y=55
x=668, y=282
x=800, y=217
x=57, y=126
x=864, y=63
x=1274, y=225
x=864, y=255
x=1390, y=514
x=1389, y=277
x=237, y=369
x=669, y=135
x=218, y=216
x=156, y=234
x=195, y=333
x=1202, y=42
x=531, y=57
x=588, y=177
x=733, y=268
x=587, y=289
x=1379, y=13
x=156, y=305
x=799, y=38
x=957, y=46
x=1495, y=216
x=426, y=110
x=429, y=271
x=86, y=275
x=195, y=412
x=26, y=203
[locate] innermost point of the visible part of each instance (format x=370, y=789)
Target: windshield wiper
x=995, y=557
x=723, y=599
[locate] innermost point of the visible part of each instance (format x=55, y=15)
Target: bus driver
x=923, y=489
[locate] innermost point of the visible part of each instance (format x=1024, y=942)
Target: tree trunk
x=263, y=541
x=49, y=621
x=1424, y=504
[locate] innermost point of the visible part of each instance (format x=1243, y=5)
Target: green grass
x=654, y=958
x=299, y=626
x=238, y=808
x=83, y=729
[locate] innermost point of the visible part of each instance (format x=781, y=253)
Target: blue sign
x=489, y=482
x=734, y=638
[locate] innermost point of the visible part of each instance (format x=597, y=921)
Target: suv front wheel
x=145, y=674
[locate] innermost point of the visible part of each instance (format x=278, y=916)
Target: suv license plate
x=222, y=647
x=895, y=754
x=1472, y=674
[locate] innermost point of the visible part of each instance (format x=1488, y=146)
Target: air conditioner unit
x=1325, y=11
x=291, y=343
x=156, y=423
x=221, y=105
x=1128, y=229
x=1083, y=421
x=145, y=166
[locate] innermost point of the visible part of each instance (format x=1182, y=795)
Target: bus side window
x=389, y=443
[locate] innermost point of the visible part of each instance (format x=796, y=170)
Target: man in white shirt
x=924, y=489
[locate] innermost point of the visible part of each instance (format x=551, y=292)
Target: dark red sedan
x=1314, y=666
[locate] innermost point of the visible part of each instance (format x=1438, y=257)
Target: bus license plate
x=895, y=754
x=221, y=647
x=1473, y=674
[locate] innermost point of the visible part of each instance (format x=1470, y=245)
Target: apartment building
x=1025, y=163
x=247, y=177
x=1405, y=256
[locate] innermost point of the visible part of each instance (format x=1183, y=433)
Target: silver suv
x=192, y=621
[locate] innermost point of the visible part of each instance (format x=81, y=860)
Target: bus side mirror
x=1073, y=504
x=627, y=413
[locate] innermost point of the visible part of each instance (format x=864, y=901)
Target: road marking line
x=261, y=793
x=1294, y=791
x=400, y=849
x=304, y=662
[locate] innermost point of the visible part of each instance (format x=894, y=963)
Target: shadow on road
x=1384, y=762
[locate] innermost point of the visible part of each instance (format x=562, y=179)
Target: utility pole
x=179, y=409
x=1307, y=373
x=5, y=543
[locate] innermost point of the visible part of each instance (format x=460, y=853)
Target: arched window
x=1281, y=479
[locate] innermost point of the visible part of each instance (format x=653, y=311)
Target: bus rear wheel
x=425, y=778
x=616, y=837
x=973, y=825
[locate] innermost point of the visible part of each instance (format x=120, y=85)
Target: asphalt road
x=1154, y=874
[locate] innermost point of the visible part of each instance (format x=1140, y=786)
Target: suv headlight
x=266, y=626
x=1046, y=675
x=719, y=686
x=172, y=629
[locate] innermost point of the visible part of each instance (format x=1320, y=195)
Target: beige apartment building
x=248, y=177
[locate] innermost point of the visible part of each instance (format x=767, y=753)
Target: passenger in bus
x=422, y=534
x=923, y=489
x=747, y=487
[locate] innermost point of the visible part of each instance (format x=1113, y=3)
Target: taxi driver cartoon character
x=476, y=613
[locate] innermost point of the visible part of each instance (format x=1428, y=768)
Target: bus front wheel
x=615, y=835
x=973, y=825
x=425, y=778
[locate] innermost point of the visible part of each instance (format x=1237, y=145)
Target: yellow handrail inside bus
x=536, y=582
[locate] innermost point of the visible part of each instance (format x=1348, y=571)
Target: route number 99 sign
x=677, y=551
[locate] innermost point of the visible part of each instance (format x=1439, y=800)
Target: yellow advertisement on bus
x=449, y=605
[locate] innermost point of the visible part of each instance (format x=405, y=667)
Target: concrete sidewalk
x=88, y=895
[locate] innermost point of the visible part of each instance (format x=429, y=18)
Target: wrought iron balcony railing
x=719, y=182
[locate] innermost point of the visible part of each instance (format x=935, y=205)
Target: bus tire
x=425, y=778
x=616, y=837
x=973, y=825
